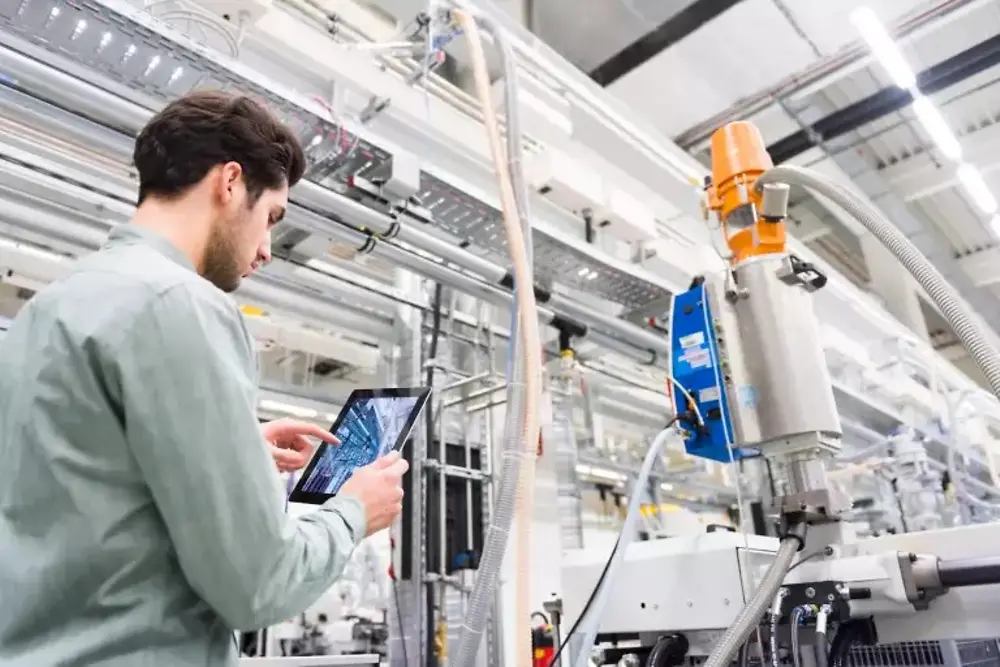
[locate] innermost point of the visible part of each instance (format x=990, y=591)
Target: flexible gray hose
x=795, y=628
x=482, y=598
x=724, y=652
x=959, y=315
x=498, y=533
x=592, y=623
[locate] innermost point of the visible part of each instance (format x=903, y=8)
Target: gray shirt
x=141, y=514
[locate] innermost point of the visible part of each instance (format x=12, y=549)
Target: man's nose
x=264, y=251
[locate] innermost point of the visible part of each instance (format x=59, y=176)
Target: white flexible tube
x=961, y=318
x=592, y=623
x=532, y=351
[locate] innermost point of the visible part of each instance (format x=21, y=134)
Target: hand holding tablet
x=372, y=423
x=379, y=488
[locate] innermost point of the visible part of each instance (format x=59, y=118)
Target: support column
x=894, y=285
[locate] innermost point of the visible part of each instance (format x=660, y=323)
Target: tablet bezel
x=421, y=393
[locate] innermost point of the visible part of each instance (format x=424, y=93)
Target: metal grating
x=978, y=653
x=136, y=51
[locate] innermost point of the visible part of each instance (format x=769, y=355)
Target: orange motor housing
x=739, y=157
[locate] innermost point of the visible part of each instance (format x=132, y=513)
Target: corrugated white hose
x=960, y=317
x=592, y=623
x=523, y=489
x=737, y=634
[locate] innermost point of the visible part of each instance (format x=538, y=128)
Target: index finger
x=318, y=432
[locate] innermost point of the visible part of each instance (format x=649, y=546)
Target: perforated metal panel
x=979, y=653
x=136, y=51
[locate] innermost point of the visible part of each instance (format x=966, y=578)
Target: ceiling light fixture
x=883, y=47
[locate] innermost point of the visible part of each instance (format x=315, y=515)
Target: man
x=141, y=514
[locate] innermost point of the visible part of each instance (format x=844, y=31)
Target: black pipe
x=969, y=572
x=936, y=78
x=681, y=23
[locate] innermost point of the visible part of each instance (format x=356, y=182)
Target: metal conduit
x=80, y=98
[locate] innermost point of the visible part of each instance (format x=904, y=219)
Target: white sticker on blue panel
x=696, y=339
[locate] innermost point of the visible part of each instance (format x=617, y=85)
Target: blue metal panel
x=695, y=363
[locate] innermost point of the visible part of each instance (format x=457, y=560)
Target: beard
x=221, y=265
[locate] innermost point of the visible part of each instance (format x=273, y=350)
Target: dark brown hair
x=200, y=131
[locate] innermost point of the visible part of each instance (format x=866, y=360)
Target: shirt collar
x=128, y=234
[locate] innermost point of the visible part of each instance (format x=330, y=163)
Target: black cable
x=432, y=364
x=598, y=585
x=399, y=619
x=847, y=634
x=586, y=607
x=825, y=551
x=770, y=478
x=541, y=615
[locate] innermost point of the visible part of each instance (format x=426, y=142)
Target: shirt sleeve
x=187, y=376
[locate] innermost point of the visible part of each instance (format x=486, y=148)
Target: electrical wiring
x=586, y=607
x=599, y=586
x=826, y=551
x=399, y=620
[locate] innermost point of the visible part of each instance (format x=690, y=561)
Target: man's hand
x=379, y=487
x=290, y=444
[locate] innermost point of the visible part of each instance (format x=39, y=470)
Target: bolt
x=810, y=592
x=725, y=601
x=831, y=597
x=690, y=604
x=913, y=558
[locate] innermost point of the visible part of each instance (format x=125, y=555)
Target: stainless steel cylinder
x=782, y=353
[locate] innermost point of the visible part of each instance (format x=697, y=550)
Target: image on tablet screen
x=369, y=430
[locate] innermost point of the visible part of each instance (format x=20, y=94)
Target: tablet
x=372, y=423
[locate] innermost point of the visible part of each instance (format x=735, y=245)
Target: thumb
x=386, y=460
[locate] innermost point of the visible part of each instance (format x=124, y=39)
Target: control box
x=697, y=367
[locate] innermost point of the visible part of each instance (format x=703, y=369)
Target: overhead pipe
x=62, y=90
x=367, y=243
x=958, y=68
x=828, y=71
x=62, y=223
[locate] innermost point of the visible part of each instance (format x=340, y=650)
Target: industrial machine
x=752, y=383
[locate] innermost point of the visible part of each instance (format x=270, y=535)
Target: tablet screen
x=371, y=424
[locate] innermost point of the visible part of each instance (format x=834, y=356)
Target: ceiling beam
x=945, y=74
x=683, y=23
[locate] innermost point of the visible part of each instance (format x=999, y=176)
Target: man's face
x=240, y=239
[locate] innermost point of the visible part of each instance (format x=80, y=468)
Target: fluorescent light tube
x=937, y=127
x=883, y=47
x=973, y=182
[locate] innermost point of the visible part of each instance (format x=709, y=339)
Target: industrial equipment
x=752, y=382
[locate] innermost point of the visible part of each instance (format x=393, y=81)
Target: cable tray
x=137, y=51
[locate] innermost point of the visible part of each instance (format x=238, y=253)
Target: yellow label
x=252, y=311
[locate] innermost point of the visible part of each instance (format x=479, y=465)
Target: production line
x=729, y=371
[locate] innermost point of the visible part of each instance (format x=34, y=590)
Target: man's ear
x=229, y=178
